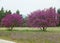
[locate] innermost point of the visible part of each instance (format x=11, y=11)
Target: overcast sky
x=27, y=6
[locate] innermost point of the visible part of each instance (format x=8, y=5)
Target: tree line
x=39, y=18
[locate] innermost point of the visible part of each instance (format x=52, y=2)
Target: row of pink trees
x=43, y=18
x=39, y=18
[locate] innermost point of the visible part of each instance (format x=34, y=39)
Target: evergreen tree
x=58, y=11
x=17, y=12
x=8, y=12
x=2, y=13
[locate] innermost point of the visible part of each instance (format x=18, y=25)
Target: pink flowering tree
x=44, y=18
x=12, y=20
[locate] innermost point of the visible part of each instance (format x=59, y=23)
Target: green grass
x=51, y=35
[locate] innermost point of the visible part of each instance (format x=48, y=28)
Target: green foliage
x=8, y=12
x=2, y=13
x=17, y=12
x=58, y=11
x=24, y=22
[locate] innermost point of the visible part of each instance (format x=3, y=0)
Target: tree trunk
x=10, y=28
x=44, y=29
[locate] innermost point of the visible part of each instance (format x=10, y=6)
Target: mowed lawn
x=31, y=35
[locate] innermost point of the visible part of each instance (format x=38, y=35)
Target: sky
x=27, y=6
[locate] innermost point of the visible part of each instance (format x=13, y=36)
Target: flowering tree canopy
x=11, y=20
x=43, y=18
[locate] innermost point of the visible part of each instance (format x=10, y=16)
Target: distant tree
x=12, y=20
x=17, y=12
x=25, y=22
x=2, y=9
x=43, y=18
x=2, y=13
x=58, y=11
x=8, y=12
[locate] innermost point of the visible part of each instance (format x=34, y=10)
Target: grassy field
x=31, y=35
